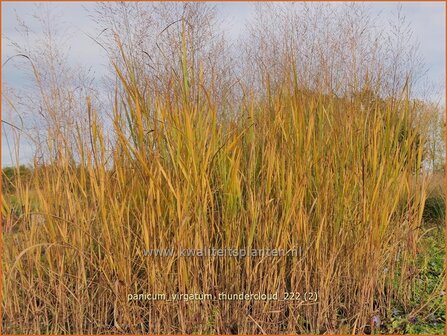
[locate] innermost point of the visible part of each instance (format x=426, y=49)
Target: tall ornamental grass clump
x=335, y=177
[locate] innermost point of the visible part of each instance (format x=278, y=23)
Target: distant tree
x=432, y=123
x=10, y=176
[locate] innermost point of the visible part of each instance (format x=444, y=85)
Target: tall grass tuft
x=337, y=177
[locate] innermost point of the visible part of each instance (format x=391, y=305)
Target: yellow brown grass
x=294, y=169
x=337, y=177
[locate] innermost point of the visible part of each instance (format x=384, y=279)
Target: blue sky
x=427, y=20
